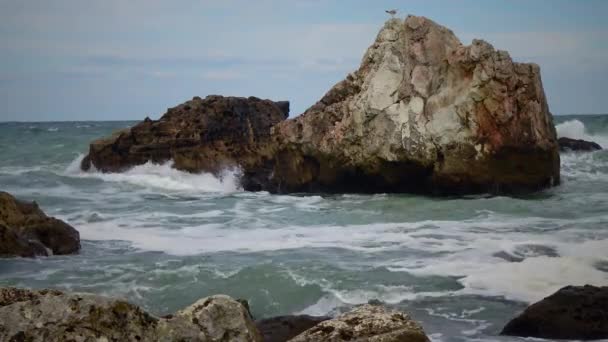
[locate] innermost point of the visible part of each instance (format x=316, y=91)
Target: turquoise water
x=163, y=238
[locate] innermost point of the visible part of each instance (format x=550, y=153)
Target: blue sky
x=127, y=59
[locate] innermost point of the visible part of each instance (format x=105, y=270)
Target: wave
x=575, y=129
x=162, y=177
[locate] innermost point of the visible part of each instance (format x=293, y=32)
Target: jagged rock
x=208, y=135
x=51, y=315
x=366, y=323
x=567, y=144
x=574, y=312
x=26, y=231
x=283, y=328
x=424, y=113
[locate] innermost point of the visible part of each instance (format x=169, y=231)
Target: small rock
x=567, y=144
x=366, y=323
x=574, y=312
x=26, y=231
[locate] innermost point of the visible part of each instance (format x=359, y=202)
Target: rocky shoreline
x=52, y=315
x=423, y=113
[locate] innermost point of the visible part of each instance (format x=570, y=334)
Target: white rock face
x=424, y=112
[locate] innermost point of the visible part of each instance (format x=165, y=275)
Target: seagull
x=392, y=12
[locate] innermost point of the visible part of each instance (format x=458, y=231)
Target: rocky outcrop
x=283, y=328
x=366, y=323
x=207, y=135
x=51, y=315
x=571, y=313
x=27, y=232
x=567, y=144
x=423, y=113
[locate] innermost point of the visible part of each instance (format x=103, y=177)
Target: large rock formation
x=366, y=323
x=26, y=231
x=574, y=312
x=423, y=113
x=207, y=135
x=51, y=315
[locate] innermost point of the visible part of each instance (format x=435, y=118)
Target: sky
x=128, y=59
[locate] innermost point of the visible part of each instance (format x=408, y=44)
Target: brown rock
x=366, y=323
x=568, y=144
x=424, y=113
x=207, y=135
x=574, y=312
x=26, y=231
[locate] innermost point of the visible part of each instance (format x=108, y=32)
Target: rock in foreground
x=570, y=313
x=51, y=315
x=567, y=144
x=27, y=232
x=366, y=323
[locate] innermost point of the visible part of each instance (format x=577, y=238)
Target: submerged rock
x=51, y=315
x=366, y=323
x=567, y=144
x=574, y=312
x=283, y=328
x=27, y=232
x=423, y=113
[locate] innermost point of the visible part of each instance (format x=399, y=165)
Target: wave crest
x=575, y=129
x=164, y=177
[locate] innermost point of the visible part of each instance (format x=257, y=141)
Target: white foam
x=162, y=176
x=575, y=129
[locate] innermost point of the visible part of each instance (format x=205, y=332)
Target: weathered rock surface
x=207, y=135
x=424, y=112
x=567, y=144
x=366, y=323
x=570, y=313
x=51, y=315
x=26, y=231
x=283, y=328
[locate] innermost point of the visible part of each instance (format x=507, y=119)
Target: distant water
x=163, y=238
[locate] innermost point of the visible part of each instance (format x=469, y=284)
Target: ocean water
x=163, y=238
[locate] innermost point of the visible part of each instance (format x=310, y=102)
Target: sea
x=161, y=238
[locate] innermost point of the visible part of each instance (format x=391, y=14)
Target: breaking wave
x=575, y=129
x=163, y=177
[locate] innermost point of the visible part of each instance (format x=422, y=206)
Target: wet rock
x=567, y=144
x=366, y=323
x=283, y=328
x=201, y=135
x=50, y=315
x=574, y=312
x=424, y=113
x=26, y=231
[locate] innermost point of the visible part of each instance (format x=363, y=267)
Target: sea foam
x=575, y=129
x=163, y=177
